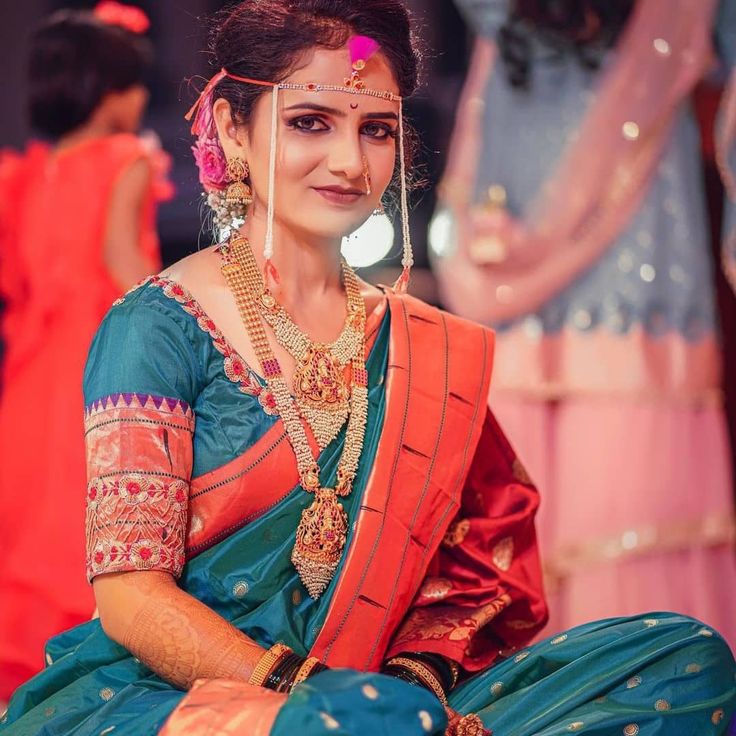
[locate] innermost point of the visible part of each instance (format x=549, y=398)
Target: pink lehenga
x=596, y=274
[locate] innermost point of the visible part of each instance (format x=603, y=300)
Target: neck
x=309, y=268
x=88, y=131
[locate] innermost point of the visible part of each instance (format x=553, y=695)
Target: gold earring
x=366, y=175
x=238, y=192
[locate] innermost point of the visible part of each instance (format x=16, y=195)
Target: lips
x=339, y=195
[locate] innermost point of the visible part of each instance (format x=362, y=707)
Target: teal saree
x=190, y=472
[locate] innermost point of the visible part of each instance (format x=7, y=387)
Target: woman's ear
x=232, y=138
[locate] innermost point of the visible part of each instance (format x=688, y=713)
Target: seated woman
x=300, y=509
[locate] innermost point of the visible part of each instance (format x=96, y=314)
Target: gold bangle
x=305, y=670
x=423, y=673
x=267, y=662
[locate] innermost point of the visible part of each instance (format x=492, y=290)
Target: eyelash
x=386, y=131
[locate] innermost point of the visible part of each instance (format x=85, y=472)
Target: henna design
x=182, y=640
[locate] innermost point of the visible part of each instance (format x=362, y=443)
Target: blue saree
x=190, y=473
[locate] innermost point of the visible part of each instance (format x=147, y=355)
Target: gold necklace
x=322, y=530
x=319, y=385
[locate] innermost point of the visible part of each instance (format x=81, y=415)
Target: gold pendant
x=320, y=539
x=321, y=393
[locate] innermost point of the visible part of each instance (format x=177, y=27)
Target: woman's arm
x=122, y=253
x=177, y=636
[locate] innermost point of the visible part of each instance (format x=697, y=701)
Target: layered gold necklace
x=318, y=384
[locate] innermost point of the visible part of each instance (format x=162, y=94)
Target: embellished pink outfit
x=598, y=280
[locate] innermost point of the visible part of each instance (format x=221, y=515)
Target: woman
x=592, y=260
x=76, y=230
x=345, y=518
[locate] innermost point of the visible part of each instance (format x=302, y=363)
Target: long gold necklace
x=322, y=530
x=319, y=385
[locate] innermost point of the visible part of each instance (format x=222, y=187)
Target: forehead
x=333, y=67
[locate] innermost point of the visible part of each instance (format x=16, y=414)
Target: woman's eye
x=379, y=131
x=308, y=123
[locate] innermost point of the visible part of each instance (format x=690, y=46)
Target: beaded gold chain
x=322, y=530
x=319, y=385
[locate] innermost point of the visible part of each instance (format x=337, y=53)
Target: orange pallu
x=444, y=555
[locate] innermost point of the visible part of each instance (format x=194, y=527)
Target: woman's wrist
x=446, y=669
x=280, y=669
x=422, y=671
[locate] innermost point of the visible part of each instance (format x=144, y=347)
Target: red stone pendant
x=320, y=539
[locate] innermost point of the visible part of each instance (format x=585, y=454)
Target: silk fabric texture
x=441, y=554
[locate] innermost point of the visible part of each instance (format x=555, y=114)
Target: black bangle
x=276, y=677
x=290, y=674
x=438, y=664
x=273, y=678
x=406, y=675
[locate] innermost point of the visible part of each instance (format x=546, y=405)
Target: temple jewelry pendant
x=320, y=539
x=321, y=393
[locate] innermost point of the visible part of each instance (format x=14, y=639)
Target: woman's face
x=336, y=151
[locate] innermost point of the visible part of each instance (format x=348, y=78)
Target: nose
x=345, y=157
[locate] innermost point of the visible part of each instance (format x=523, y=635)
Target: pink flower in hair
x=210, y=159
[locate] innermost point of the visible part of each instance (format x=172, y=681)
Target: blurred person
x=574, y=222
x=302, y=517
x=77, y=229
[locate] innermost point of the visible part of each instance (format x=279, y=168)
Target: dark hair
x=75, y=60
x=262, y=39
x=583, y=28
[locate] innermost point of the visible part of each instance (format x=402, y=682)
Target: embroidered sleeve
x=139, y=460
x=142, y=377
x=483, y=591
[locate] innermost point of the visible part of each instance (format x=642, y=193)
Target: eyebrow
x=339, y=113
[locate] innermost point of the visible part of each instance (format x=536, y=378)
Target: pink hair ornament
x=129, y=17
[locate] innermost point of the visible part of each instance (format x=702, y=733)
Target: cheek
x=295, y=159
x=383, y=163
x=299, y=155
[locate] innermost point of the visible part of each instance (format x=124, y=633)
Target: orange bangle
x=267, y=662
x=305, y=670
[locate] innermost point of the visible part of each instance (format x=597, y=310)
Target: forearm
x=171, y=632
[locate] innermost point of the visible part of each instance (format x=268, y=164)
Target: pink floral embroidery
x=236, y=369
x=136, y=522
x=136, y=518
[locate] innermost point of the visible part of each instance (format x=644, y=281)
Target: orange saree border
x=225, y=708
x=222, y=501
x=434, y=418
